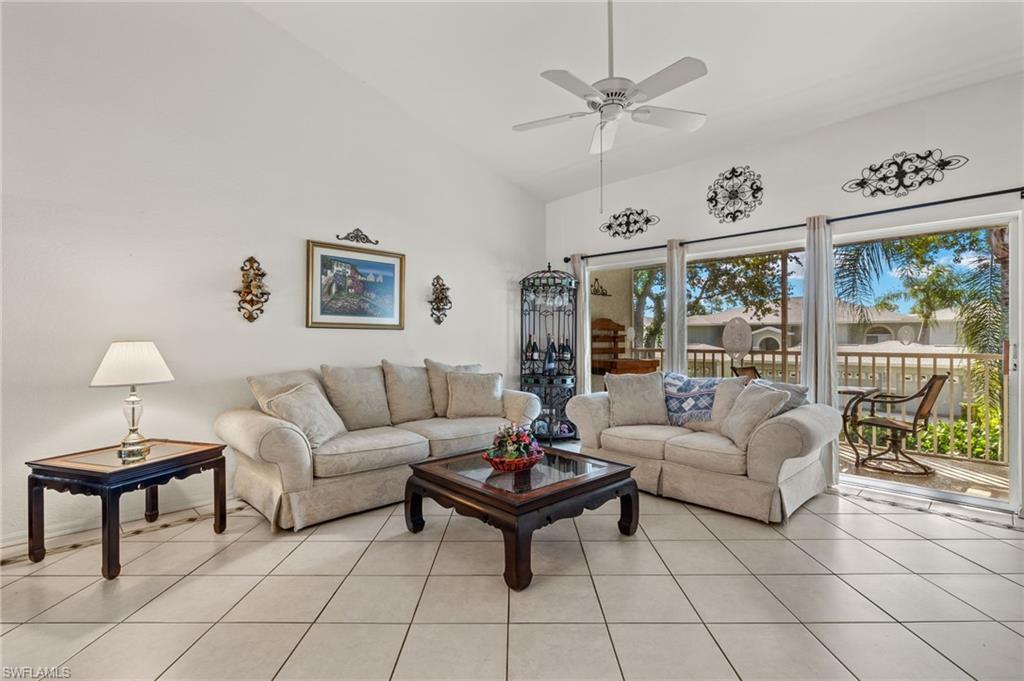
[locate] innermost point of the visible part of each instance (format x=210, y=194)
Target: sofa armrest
x=791, y=435
x=592, y=416
x=521, y=408
x=270, y=440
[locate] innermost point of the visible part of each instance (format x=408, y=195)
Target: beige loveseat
x=772, y=476
x=391, y=419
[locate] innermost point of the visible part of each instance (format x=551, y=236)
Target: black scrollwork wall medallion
x=735, y=194
x=630, y=222
x=903, y=173
x=358, y=236
x=440, y=301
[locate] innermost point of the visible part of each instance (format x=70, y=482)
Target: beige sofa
x=777, y=471
x=296, y=484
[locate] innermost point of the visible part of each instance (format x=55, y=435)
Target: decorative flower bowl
x=513, y=449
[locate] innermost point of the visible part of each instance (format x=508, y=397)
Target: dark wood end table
x=101, y=472
x=562, y=485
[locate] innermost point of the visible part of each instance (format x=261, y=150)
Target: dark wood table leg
x=629, y=514
x=111, y=500
x=36, y=539
x=152, y=503
x=518, y=546
x=413, y=507
x=220, y=512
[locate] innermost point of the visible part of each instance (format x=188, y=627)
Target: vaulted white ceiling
x=469, y=71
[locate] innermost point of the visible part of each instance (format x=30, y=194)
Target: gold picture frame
x=348, y=287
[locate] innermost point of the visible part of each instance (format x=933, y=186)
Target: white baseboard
x=92, y=522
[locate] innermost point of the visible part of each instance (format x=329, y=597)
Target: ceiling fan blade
x=669, y=78
x=669, y=118
x=604, y=136
x=573, y=84
x=551, y=121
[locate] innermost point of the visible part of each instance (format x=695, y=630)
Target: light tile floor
x=848, y=588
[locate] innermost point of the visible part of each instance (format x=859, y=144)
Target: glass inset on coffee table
x=561, y=485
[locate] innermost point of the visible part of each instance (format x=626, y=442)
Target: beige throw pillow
x=306, y=407
x=437, y=373
x=797, y=393
x=755, y=405
x=265, y=386
x=474, y=395
x=358, y=395
x=725, y=397
x=637, y=399
x=408, y=392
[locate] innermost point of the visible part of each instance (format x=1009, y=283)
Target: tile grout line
x=327, y=602
x=700, y=617
x=593, y=585
x=412, y=618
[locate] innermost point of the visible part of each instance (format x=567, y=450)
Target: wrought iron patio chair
x=893, y=459
x=749, y=372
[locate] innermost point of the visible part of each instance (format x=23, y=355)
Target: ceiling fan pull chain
x=601, y=171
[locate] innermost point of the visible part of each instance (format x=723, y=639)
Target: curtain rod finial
x=566, y=259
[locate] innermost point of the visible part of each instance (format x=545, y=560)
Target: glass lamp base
x=133, y=448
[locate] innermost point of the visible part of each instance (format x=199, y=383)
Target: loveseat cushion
x=636, y=399
x=457, y=436
x=707, y=451
x=367, y=450
x=644, y=441
x=408, y=392
x=437, y=374
x=755, y=405
x=358, y=395
x=474, y=395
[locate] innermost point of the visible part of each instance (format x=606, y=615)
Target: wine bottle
x=526, y=348
x=550, y=365
x=534, y=350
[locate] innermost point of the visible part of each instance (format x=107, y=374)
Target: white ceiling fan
x=614, y=96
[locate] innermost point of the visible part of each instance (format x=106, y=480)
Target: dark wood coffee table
x=562, y=485
x=102, y=473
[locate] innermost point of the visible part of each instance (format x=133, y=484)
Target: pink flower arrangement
x=512, y=442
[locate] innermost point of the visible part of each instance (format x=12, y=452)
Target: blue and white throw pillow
x=689, y=399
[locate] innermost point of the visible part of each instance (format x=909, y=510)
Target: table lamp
x=131, y=363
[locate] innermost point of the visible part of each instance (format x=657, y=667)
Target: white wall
x=803, y=175
x=147, y=150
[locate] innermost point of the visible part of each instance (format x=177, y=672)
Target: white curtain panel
x=818, y=338
x=582, y=274
x=675, y=307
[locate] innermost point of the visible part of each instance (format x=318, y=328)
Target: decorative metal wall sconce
x=253, y=293
x=440, y=303
x=597, y=290
x=358, y=236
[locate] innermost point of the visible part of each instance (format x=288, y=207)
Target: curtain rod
x=841, y=218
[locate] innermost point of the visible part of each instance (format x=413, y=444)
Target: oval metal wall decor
x=628, y=223
x=903, y=173
x=735, y=194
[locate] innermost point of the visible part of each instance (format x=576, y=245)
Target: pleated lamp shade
x=131, y=363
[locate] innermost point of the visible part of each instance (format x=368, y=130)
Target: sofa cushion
x=358, y=395
x=707, y=451
x=636, y=399
x=797, y=393
x=645, y=441
x=755, y=405
x=437, y=375
x=408, y=392
x=367, y=450
x=265, y=386
x=457, y=436
x=474, y=395
x=726, y=392
x=306, y=406
x=689, y=399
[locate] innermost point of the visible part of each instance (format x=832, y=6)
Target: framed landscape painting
x=354, y=288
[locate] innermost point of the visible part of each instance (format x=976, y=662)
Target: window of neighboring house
x=769, y=344
x=877, y=334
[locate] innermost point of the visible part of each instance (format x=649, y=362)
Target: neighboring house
x=883, y=326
